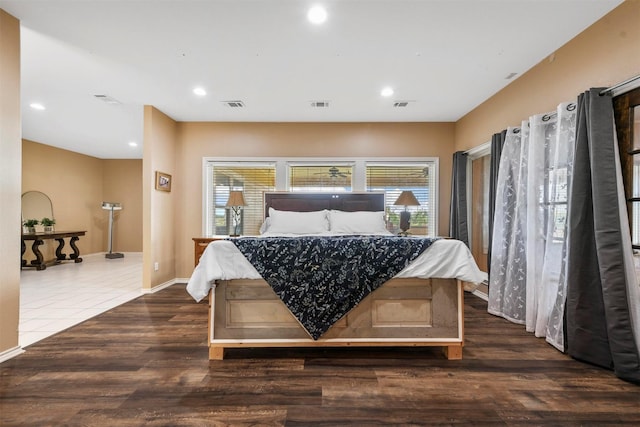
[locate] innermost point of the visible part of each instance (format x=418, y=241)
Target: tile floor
x=66, y=294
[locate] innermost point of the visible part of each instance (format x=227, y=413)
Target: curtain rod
x=619, y=85
x=481, y=148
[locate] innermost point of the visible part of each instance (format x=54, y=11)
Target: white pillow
x=265, y=225
x=298, y=222
x=360, y=222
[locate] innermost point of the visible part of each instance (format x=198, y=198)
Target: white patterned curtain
x=529, y=239
x=551, y=151
x=507, y=281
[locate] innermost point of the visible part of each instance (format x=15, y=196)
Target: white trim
x=205, y=195
x=479, y=151
x=358, y=181
x=329, y=162
x=11, y=353
x=282, y=164
x=160, y=287
x=480, y=295
x=359, y=178
x=474, y=154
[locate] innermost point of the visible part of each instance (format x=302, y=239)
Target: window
x=627, y=115
x=254, y=176
x=317, y=177
x=253, y=179
x=555, y=199
x=393, y=179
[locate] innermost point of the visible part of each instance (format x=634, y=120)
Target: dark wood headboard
x=308, y=202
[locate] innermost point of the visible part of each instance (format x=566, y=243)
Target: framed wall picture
x=163, y=181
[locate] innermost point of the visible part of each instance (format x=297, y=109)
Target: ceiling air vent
x=400, y=104
x=320, y=104
x=234, y=104
x=107, y=99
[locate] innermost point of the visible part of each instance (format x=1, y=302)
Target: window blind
x=320, y=177
x=393, y=179
x=253, y=179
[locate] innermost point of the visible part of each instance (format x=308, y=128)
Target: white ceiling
x=444, y=56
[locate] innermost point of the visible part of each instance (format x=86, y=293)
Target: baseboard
x=161, y=286
x=480, y=295
x=482, y=291
x=103, y=254
x=11, y=353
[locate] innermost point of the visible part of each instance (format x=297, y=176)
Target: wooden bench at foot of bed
x=402, y=312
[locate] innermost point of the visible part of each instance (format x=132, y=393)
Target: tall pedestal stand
x=110, y=206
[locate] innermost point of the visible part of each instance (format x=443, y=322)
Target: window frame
x=208, y=220
x=624, y=105
x=327, y=164
x=434, y=187
x=474, y=153
x=282, y=175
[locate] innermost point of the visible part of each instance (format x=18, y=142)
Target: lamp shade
x=407, y=198
x=236, y=198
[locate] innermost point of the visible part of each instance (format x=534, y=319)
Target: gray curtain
x=497, y=142
x=458, y=219
x=599, y=327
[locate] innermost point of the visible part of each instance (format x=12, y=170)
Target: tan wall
x=123, y=184
x=10, y=170
x=158, y=206
x=77, y=185
x=198, y=140
x=604, y=54
x=73, y=182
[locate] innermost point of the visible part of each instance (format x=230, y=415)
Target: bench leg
x=453, y=352
x=216, y=353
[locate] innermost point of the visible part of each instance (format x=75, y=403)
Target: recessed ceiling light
x=387, y=91
x=37, y=106
x=199, y=91
x=133, y=144
x=317, y=15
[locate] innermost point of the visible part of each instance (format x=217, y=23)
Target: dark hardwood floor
x=145, y=363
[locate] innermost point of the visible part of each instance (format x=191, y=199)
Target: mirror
x=36, y=205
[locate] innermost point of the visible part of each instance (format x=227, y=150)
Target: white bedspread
x=444, y=259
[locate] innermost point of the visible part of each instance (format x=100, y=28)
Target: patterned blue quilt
x=321, y=278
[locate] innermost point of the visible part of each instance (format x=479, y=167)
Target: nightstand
x=201, y=243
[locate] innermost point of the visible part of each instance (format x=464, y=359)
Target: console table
x=38, y=239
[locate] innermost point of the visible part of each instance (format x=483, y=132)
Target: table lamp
x=235, y=203
x=405, y=199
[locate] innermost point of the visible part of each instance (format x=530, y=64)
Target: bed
x=421, y=304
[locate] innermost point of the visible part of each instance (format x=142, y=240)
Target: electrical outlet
x=156, y=266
